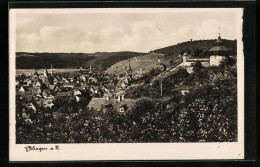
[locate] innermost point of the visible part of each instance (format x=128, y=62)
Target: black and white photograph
x=169, y=78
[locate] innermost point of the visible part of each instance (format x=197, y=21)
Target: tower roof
x=219, y=46
x=219, y=39
x=218, y=49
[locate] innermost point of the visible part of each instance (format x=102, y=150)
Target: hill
x=107, y=59
x=143, y=64
x=168, y=56
x=192, y=46
x=26, y=60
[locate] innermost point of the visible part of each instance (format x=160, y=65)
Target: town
x=84, y=98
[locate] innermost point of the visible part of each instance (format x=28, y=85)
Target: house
x=104, y=104
x=93, y=90
x=36, y=90
x=76, y=92
x=34, y=106
x=28, y=82
x=47, y=113
x=123, y=108
x=55, y=114
x=57, y=89
x=48, y=103
x=37, y=84
x=55, y=81
x=65, y=80
x=28, y=121
x=188, y=61
x=77, y=98
x=52, y=87
x=65, y=91
x=37, y=96
x=28, y=98
x=48, y=93
x=18, y=98
x=24, y=89
x=120, y=96
x=184, y=91
x=83, y=77
x=20, y=109
x=218, y=52
x=26, y=114
x=23, y=83
x=92, y=80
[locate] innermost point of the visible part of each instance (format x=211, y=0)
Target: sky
x=118, y=31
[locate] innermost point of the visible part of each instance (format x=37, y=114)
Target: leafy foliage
x=207, y=113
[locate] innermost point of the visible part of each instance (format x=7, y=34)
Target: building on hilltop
x=218, y=52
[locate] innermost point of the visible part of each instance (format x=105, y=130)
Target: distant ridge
x=25, y=60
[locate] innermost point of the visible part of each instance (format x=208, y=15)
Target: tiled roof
x=218, y=48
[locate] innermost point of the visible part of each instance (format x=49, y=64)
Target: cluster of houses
x=37, y=93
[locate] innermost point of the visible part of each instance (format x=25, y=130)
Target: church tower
x=35, y=77
x=46, y=75
x=129, y=70
x=218, y=49
x=218, y=52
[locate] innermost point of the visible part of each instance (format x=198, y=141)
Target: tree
x=197, y=52
x=142, y=106
x=197, y=66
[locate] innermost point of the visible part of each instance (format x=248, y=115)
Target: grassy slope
x=107, y=59
x=140, y=64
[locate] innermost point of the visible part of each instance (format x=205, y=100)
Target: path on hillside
x=172, y=70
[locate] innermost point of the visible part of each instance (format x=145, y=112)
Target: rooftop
x=218, y=48
x=97, y=103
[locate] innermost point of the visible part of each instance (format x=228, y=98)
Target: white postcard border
x=129, y=151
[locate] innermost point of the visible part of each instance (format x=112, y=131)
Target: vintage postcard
x=126, y=84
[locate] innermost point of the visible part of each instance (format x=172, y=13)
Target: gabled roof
x=26, y=88
x=35, y=104
x=36, y=73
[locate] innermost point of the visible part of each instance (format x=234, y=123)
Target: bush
x=197, y=66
